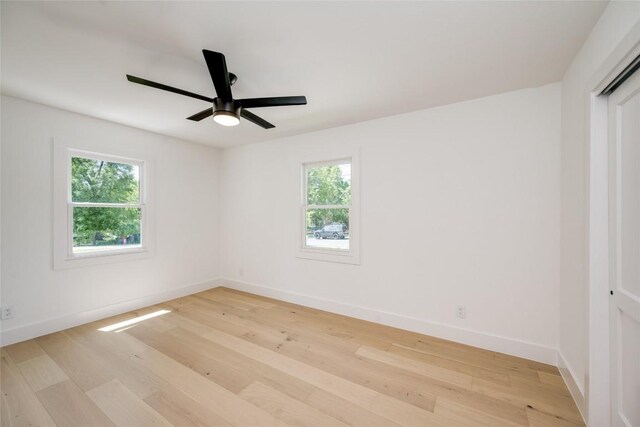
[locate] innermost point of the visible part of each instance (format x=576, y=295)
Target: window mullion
x=105, y=205
x=328, y=206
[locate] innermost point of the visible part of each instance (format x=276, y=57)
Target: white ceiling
x=354, y=61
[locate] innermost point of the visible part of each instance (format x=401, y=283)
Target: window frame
x=351, y=256
x=63, y=204
x=140, y=205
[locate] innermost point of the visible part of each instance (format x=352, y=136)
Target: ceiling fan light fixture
x=226, y=110
x=226, y=118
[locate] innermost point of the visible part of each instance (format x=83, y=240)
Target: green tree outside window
x=96, y=181
x=327, y=185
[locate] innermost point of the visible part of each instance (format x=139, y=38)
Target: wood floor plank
x=543, y=401
x=380, y=404
x=80, y=365
x=542, y=419
x=202, y=311
x=41, y=372
x=346, y=411
x=552, y=379
x=270, y=330
x=115, y=351
x=224, y=357
x=348, y=328
x=19, y=405
x=180, y=410
x=525, y=386
x=432, y=371
x=68, y=405
x=380, y=377
x=276, y=324
x=359, y=371
x=287, y=409
x=225, y=403
x=233, y=321
x=124, y=408
x=530, y=364
x=454, y=365
x=465, y=354
x=454, y=414
x=234, y=296
x=180, y=347
x=231, y=362
x=179, y=320
x=392, y=381
x=342, y=327
x=326, y=355
x=238, y=304
x=24, y=351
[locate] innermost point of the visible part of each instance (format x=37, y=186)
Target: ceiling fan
x=226, y=110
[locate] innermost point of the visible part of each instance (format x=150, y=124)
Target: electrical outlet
x=7, y=312
x=460, y=311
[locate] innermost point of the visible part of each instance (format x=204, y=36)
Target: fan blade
x=255, y=119
x=134, y=79
x=272, y=102
x=219, y=74
x=201, y=115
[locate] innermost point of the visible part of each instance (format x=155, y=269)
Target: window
x=101, y=207
x=329, y=211
x=105, y=206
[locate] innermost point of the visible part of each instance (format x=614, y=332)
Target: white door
x=624, y=232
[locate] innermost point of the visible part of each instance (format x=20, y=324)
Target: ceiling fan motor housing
x=228, y=106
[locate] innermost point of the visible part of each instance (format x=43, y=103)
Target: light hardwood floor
x=227, y=358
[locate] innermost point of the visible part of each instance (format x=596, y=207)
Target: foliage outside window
x=327, y=205
x=105, y=208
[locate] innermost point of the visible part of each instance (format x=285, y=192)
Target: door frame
x=597, y=397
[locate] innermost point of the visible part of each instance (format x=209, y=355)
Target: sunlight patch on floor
x=124, y=324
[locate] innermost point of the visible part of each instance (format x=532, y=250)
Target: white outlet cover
x=7, y=312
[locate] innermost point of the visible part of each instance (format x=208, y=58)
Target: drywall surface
x=614, y=24
x=186, y=201
x=460, y=205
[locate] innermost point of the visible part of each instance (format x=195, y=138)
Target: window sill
x=93, y=251
x=329, y=255
x=99, y=257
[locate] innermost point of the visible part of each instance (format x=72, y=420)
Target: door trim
x=596, y=404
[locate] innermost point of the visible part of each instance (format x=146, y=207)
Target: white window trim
x=352, y=256
x=63, y=256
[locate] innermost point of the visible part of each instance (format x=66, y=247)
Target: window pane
x=329, y=185
x=99, y=181
x=328, y=229
x=96, y=229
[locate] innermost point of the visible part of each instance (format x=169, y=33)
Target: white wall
x=614, y=24
x=460, y=205
x=187, y=243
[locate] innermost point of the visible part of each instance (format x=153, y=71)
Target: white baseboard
x=484, y=340
x=48, y=326
x=574, y=387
